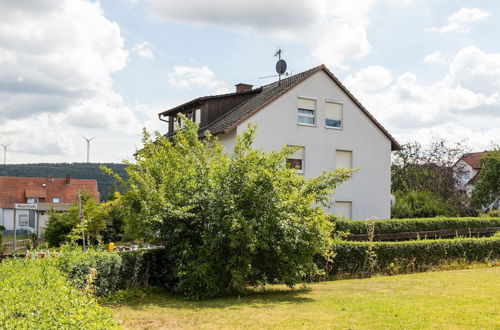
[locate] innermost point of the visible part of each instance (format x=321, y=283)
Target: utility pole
x=5, y=152
x=88, y=146
x=80, y=216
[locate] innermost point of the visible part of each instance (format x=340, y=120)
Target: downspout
x=159, y=117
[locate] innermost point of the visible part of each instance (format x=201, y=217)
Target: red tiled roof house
x=45, y=193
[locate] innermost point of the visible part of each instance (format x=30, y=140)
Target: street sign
x=25, y=206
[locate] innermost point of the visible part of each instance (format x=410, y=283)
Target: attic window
x=56, y=200
x=306, y=111
x=333, y=114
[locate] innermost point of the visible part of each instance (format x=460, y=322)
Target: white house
x=466, y=170
x=314, y=111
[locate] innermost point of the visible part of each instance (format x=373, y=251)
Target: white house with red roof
x=467, y=169
x=314, y=111
x=38, y=195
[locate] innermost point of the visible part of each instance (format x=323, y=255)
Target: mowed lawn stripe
x=460, y=299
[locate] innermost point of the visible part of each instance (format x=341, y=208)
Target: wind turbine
x=5, y=152
x=88, y=146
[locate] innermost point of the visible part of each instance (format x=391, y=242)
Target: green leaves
x=487, y=188
x=228, y=220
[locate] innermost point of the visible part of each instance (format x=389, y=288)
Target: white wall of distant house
x=369, y=189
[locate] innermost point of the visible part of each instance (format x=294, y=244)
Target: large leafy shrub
x=390, y=226
x=227, y=220
x=353, y=260
x=35, y=295
x=421, y=204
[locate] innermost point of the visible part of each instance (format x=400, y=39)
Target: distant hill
x=76, y=170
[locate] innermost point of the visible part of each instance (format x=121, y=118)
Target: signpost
x=19, y=206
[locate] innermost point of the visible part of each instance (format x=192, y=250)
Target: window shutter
x=333, y=110
x=343, y=209
x=298, y=154
x=343, y=159
x=306, y=104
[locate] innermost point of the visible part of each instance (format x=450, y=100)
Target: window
x=23, y=219
x=333, y=114
x=56, y=200
x=296, y=160
x=31, y=200
x=306, y=111
x=343, y=159
x=343, y=209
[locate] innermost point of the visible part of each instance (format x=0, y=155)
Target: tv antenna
x=5, y=152
x=88, y=146
x=280, y=66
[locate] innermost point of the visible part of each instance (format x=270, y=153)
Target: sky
x=425, y=69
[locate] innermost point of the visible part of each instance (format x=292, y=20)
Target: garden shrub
x=108, y=270
x=389, y=226
x=115, y=271
x=228, y=221
x=421, y=204
x=35, y=295
x=352, y=258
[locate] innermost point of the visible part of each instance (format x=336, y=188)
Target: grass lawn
x=459, y=299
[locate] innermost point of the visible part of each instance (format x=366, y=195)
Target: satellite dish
x=281, y=67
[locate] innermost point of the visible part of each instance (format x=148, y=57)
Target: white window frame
x=351, y=161
x=302, y=160
x=314, y=115
x=341, y=115
x=56, y=198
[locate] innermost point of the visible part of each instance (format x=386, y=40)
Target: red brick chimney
x=241, y=87
x=68, y=179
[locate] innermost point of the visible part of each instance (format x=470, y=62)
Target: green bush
x=390, y=226
x=228, y=220
x=116, y=271
x=35, y=295
x=421, y=204
x=352, y=258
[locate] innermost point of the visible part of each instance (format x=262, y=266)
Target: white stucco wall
x=369, y=189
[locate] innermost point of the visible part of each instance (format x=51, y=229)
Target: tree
x=487, y=188
x=416, y=168
x=102, y=222
x=227, y=220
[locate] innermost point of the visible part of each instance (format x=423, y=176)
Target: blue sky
x=425, y=69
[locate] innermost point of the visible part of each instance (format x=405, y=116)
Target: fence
x=20, y=244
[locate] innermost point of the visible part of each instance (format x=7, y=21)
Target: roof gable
x=271, y=92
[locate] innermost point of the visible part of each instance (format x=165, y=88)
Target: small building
x=40, y=195
x=466, y=170
x=315, y=112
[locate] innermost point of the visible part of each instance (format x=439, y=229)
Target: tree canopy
x=228, y=219
x=487, y=187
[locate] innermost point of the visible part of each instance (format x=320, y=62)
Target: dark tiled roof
x=17, y=189
x=473, y=159
x=269, y=93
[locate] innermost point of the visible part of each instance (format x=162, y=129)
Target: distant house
x=42, y=194
x=467, y=169
x=315, y=112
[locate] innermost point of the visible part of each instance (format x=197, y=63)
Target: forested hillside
x=76, y=170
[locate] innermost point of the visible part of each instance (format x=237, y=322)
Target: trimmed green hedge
x=35, y=295
x=390, y=226
x=116, y=271
x=353, y=259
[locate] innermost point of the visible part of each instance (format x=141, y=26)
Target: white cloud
x=56, y=64
x=457, y=22
x=190, y=77
x=144, y=50
x=435, y=58
x=335, y=30
x=369, y=79
x=465, y=103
